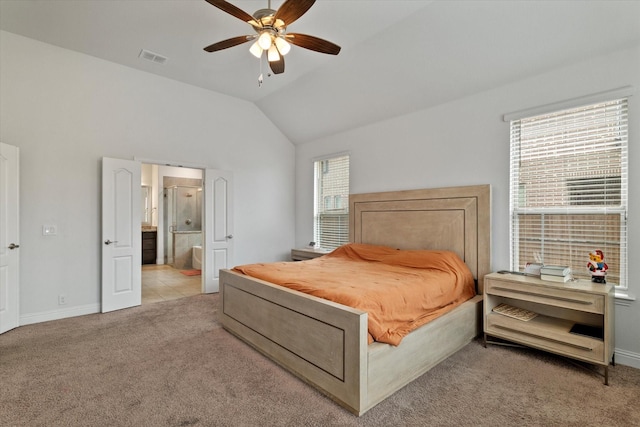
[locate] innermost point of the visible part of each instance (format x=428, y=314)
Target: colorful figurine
x=597, y=266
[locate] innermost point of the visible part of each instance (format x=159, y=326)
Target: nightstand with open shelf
x=560, y=308
x=303, y=254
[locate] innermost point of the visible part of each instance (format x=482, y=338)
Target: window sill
x=623, y=297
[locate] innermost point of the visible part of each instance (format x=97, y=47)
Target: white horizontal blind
x=568, y=193
x=331, y=212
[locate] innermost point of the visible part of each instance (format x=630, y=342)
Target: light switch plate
x=49, y=230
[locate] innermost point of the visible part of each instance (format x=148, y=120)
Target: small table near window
x=303, y=254
x=573, y=319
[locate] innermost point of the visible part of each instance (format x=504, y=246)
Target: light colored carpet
x=171, y=364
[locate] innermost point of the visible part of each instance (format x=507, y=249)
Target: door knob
x=230, y=236
x=13, y=246
x=108, y=242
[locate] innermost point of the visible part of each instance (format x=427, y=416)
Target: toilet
x=196, y=257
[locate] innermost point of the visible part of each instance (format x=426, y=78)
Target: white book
x=555, y=270
x=554, y=278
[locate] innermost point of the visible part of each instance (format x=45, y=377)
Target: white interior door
x=121, y=234
x=218, y=226
x=9, y=238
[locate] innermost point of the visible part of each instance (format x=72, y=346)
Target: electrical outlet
x=62, y=299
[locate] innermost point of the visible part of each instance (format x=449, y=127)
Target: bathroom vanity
x=149, y=239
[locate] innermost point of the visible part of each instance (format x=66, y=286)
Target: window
x=568, y=194
x=331, y=211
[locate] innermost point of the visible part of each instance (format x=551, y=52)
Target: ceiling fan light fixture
x=271, y=35
x=283, y=46
x=256, y=50
x=272, y=54
x=265, y=40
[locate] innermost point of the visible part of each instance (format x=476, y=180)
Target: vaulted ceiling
x=397, y=56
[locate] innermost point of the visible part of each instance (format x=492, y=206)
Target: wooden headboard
x=454, y=218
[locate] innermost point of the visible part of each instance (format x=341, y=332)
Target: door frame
x=188, y=165
x=208, y=281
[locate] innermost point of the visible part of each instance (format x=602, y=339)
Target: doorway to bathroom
x=172, y=212
x=123, y=209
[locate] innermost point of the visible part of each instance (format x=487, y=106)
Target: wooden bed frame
x=325, y=343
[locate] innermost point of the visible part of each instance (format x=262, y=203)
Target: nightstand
x=307, y=253
x=574, y=319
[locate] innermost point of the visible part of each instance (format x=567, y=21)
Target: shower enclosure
x=184, y=208
x=183, y=216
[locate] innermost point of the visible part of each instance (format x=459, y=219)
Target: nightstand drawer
x=552, y=296
x=547, y=334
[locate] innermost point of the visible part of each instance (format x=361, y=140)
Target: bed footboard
x=322, y=342
x=325, y=343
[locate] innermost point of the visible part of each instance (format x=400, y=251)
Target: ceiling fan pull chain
x=260, y=76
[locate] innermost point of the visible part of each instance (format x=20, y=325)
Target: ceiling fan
x=271, y=32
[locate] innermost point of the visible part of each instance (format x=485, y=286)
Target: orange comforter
x=400, y=290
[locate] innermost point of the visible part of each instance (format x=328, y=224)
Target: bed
x=325, y=343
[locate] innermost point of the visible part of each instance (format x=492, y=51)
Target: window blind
x=331, y=211
x=569, y=187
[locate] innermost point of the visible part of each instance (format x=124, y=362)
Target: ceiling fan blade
x=291, y=10
x=234, y=11
x=277, y=66
x=224, y=44
x=313, y=43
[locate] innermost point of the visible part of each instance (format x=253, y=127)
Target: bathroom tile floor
x=163, y=283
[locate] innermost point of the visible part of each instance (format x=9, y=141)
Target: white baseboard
x=627, y=358
x=46, y=316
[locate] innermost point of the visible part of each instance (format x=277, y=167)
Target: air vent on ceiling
x=153, y=57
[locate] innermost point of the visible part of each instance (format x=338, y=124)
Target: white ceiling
x=397, y=56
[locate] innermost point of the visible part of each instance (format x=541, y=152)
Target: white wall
x=66, y=110
x=466, y=142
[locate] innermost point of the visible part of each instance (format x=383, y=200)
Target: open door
x=121, y=235
x=218, y=226
x=9, y=253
